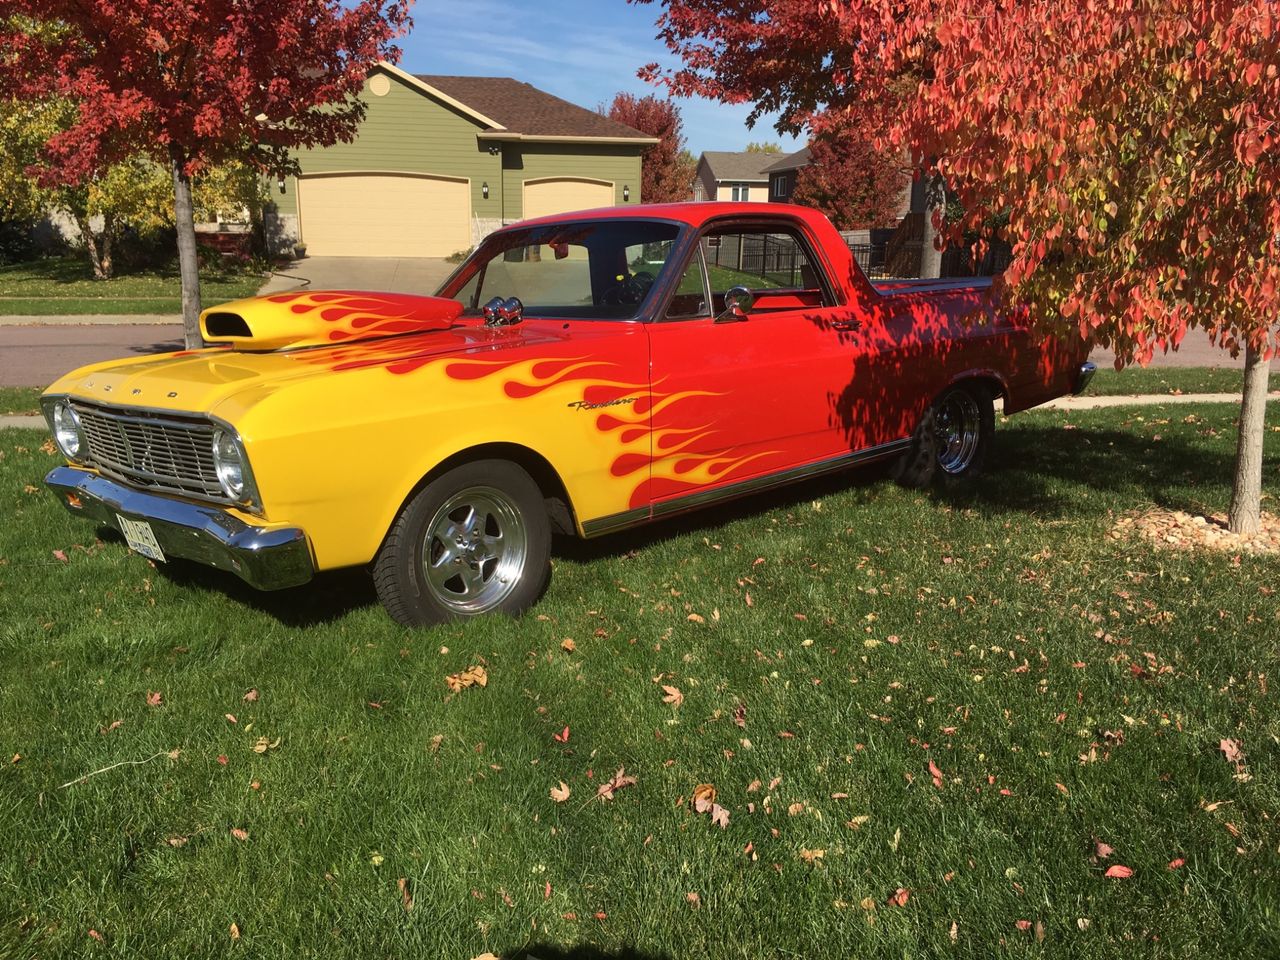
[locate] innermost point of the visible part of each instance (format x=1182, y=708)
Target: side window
x=774, y=264
x=690, y=298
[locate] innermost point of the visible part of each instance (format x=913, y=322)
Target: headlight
x=228, y=463
x=66, y=430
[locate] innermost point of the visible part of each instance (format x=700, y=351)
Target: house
x=782, y=175
x=723, y=175
x=440, y=162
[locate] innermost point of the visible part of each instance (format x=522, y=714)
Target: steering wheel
x=632, y=290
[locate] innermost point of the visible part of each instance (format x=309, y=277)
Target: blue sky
x=582, y=50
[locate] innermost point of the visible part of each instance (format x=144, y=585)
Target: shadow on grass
x=546, y=951
x=1043, y=471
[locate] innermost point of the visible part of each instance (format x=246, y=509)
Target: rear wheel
x=952, y=440
x=475, y=540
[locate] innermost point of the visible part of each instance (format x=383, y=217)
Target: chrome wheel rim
x=475, y=550
x=957, y=428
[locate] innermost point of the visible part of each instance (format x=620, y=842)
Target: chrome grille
x=152, y=451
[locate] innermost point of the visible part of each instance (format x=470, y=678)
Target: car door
x=765, y=396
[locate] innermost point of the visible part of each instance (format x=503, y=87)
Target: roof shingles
x=526, y=110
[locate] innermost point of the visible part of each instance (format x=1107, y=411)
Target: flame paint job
x=630, y=416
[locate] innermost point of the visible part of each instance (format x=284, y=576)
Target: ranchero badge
x=584, y=405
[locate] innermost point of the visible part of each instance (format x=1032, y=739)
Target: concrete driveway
x=421, y=275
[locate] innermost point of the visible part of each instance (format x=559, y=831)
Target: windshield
x=596, y=269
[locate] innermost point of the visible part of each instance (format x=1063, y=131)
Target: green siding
x=408, y=131
x=533, y=161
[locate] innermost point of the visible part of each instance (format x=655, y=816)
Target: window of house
x=741, y=192
x=780, y=186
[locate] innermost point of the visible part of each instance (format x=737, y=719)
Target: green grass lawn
x=65, y=285
x=19, y=400
x=1170, y=380
x=829, y=642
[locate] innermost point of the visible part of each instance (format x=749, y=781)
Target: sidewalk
x=1062, y=403
x=87, y=319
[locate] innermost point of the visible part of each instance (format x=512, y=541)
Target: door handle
x=852, y=324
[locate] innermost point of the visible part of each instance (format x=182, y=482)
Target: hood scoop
x=326, y=318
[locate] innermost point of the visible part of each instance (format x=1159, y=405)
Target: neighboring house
x=782, y=175
x=440, y=162
x=722, y=175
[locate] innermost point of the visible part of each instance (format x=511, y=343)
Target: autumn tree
x=665, y=170
x=192, y=84
x=851, y=181
x=1130, y=149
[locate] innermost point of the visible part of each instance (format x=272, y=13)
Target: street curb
x=1062, y=403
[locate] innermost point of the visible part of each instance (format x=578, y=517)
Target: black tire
x=952, y=441
x=475, y=540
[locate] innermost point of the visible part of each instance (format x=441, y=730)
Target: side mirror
x=737, y=303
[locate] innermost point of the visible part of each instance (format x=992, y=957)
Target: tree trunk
x=100, y=271
x=108, y=231
x=1246, y=492
x=188, y=258
x=930, y=255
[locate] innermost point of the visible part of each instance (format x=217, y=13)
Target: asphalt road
x=36, y=355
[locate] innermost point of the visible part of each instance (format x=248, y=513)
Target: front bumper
x=263, y=557
x=1083, y=376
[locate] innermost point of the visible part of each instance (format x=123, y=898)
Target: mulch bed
x=1178, y=530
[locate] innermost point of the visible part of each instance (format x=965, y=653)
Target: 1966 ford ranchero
x=580, y=373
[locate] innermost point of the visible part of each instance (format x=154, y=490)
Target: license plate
x=138, y=534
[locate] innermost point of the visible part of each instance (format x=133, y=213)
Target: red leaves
x=936, y=774
x=899, y=897
x=154, y=698
x=1118, y=872
x=617, y=782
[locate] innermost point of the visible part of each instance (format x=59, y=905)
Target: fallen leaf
x=1175, y=864
x=936, y=774
x=740, y=715
x=899, y=897
x=262, y=744
x=177, y=841
x=693, y=898
x=16, y=758
x=376, y=859
x=704, y=796
x=546, y=891
x=954, y=932
x=231, y=718
x=567, y=645
x=1039, y=931
x=96, y=935
x=251, y=696
x=1102, y=850
x=753, y=786
x=235, y=931
x=617, y=782
x=59, y=555
x=1022, y=924
x=222, y=759
x=1118, y=872
x=1231, y=750
x=811, y=856
x=239, y=834
x=672, y=695
x=114, y=725
x=561, y=793
x=794, y=809
x=470, y=677
x=719, y=816
x=435, y=742
x=601, y=915
x=1063, y=788
x=154, y=698
x=866, y=903
x=695, y=618
x=562, y=736
x=255, y=785
x=403, y=886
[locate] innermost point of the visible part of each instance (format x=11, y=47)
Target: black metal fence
x=886, y=260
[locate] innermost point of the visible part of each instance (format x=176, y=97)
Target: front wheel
x=952, y=440
x=475, y=540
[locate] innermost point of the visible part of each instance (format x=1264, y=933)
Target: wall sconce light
x=484, y=189
x=626, y=193
x=280, y=184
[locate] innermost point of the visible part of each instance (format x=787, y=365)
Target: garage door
x=384, y=215
x=545, y=197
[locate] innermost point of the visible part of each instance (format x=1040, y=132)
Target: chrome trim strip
x=631, y=518
x=268, y=559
